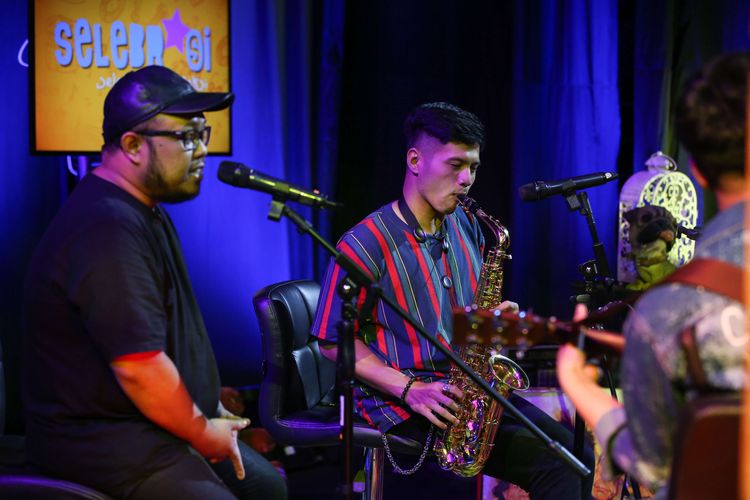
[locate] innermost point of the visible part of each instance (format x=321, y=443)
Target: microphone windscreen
x=228, y=172
x=529, y=192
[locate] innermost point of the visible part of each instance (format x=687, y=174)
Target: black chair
x=297, y=394
x=18, y=479
x=707, y=449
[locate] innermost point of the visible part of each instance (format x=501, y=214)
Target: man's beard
x=157, y=186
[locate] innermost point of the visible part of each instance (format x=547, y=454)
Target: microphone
x=535, y=191
x=238, y=175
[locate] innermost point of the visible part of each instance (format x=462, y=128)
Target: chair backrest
x=296, y=376
x=705, y=462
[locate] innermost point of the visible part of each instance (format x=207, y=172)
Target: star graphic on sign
x=176, y=31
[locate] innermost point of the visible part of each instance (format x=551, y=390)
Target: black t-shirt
x=107, y=279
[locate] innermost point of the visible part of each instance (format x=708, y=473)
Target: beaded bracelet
x=407, y=387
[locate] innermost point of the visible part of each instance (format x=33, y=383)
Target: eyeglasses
x=189, y=138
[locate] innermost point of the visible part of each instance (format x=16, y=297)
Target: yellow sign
x=82, y=47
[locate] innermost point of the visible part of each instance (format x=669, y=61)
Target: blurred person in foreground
x=639, y=435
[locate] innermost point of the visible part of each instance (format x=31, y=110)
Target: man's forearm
x=435, y=401
x=155, y=387
x=371, y=370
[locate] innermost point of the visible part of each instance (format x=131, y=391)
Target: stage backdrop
x=80, y=49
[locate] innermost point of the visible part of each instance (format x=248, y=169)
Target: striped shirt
x=414, y=274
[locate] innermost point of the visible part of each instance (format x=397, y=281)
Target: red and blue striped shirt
x=412, y=272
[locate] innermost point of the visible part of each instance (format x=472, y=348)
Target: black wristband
x=407, y=387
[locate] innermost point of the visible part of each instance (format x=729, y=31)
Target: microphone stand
x=356, y=280
x=599, y=271
x=580, y=202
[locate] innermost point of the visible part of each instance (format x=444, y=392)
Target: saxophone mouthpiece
x=468, y=204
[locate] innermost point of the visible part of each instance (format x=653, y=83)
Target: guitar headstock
x=525, y=329
x=509, y=329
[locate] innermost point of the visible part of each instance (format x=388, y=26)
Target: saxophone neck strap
x=416, y=228
x=420, y=236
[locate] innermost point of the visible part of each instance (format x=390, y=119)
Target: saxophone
x=465, y=447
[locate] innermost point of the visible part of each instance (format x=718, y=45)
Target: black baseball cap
x=143, y=94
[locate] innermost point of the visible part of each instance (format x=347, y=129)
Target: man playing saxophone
x=427, y=256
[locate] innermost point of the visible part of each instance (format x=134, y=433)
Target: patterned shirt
x=426, y=278
x=639, y=435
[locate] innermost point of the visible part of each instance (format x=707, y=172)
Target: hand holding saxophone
x=436, y=401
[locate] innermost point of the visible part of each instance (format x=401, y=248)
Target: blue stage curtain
x=31, y=190
x=285, y=64
x=326, y=119
x=311, y=52
x=674, y=39
x=566, y=123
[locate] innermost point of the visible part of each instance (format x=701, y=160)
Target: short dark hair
x=445, y=122
x=710, y=117
x=112, y=145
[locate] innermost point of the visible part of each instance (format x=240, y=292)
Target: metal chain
x=406, y=472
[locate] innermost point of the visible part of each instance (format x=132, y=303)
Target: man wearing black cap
x=121, y=384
